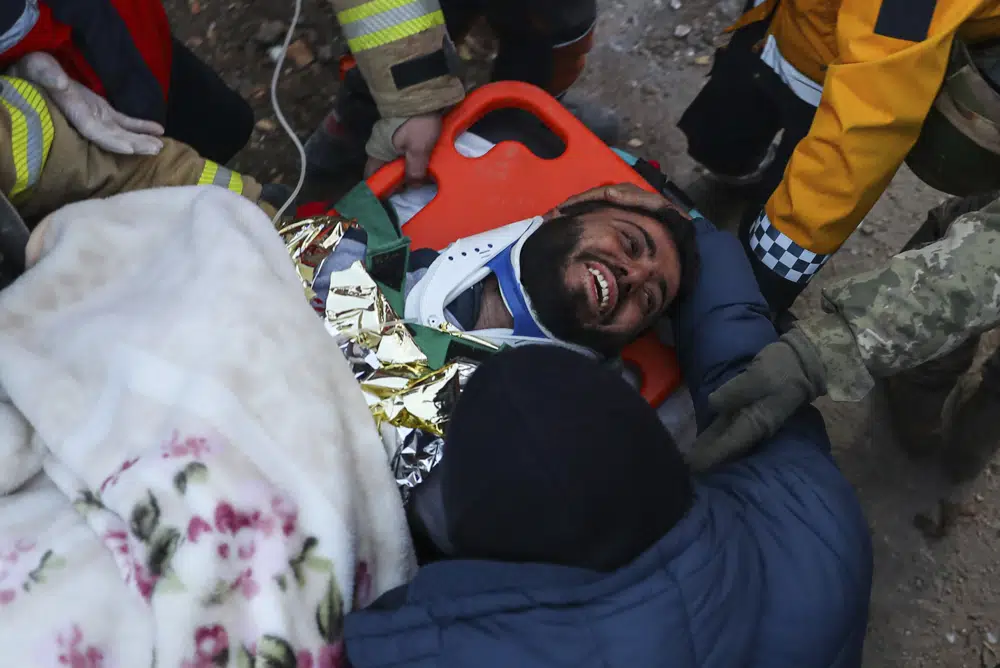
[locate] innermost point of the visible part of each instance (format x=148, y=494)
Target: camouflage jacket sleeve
x=404, y=52
x=920, y=305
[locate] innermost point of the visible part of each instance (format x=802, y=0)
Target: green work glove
x=782, y=378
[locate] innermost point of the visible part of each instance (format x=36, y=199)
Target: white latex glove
x=88, y=112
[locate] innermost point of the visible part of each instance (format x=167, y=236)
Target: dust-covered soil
x=936, y=600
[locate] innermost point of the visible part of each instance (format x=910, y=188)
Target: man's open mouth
x=605, y=288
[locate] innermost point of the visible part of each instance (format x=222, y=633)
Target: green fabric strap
x=361, y=204
x=388, y=254
x=440, y=347
x=387, y=260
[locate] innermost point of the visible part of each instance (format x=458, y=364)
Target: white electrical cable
x=281, y=117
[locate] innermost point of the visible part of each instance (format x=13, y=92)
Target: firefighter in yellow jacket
x=46, y=163
x=850, y=83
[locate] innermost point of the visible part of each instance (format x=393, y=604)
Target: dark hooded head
x=599, y=275
x=553, y=458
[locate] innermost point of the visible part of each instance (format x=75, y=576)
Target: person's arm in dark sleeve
x=800, y=512
x=723, y=323
x=718, y=330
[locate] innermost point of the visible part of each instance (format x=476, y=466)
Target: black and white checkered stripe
x=782, y=255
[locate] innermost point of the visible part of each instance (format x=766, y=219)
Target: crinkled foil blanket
x=410, y=401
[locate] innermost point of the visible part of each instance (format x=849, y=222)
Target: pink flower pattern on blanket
x=23, y=566
x=135, y=571
x=74, y=653
x=329, y=656
x=236, y=532
x=211, y=647
x=249, y=540
x=228, y=521
x=195, y=447
x=246, y=585
x=12, y=568
x=112, y=479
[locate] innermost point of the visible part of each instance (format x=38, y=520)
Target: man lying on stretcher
x=590, y=275
x=595, y=276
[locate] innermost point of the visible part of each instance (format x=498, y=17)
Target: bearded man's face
x=599, y=276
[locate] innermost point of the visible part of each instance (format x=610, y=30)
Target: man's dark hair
x=680, y=228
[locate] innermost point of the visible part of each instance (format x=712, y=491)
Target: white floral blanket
x=205, y=486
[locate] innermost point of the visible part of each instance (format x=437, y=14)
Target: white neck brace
x=467, y=262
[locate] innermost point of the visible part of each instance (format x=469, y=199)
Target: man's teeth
x=602, y=286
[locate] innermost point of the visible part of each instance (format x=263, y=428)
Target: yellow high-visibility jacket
x=45, y=163
x=880, y=64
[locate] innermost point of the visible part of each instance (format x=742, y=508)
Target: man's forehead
x=609, y=214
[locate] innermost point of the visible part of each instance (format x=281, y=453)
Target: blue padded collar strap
x=502, y=267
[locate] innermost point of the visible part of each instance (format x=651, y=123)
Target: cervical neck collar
x=467, y=262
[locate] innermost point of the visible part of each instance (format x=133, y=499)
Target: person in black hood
x=554, y=458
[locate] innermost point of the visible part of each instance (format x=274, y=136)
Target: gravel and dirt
x=936, y=599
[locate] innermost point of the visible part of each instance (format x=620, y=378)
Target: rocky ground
x=936, y=600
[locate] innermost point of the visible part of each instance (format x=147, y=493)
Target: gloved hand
x=782, y=378
x=91, y=115
x=413, y=138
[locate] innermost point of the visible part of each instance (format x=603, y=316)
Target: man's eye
x=629, y=243
x=650, y=300
x=631, y=246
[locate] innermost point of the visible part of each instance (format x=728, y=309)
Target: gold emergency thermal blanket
x=410, y=400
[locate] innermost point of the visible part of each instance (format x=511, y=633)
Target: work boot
x=601, y=120
x=916, y=399
x=750, y=178
x=337, y=147
x=724, y=205
x=972, y=431
x=332, y=150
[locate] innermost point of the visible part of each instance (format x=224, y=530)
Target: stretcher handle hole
x=523, y=127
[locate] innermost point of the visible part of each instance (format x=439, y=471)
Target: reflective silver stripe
x=222, y=177
x=21, y=27
x=804, y=88
x=28, y=131
x=582, y=35
x=214, y=174
x=389, y=18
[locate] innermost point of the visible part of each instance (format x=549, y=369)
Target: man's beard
x=544, y=259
